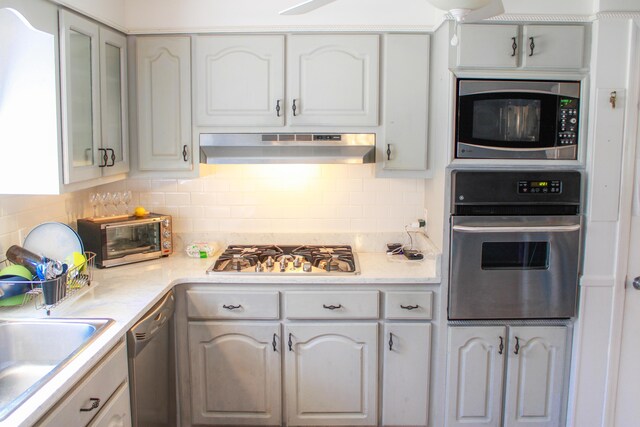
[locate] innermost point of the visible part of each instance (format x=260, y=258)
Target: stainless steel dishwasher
x=150, y=344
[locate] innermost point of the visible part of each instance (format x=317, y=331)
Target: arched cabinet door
x=235, y=373
x=331, y=373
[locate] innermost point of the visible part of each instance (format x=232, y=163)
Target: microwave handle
x=544, y=229
x=130, y=223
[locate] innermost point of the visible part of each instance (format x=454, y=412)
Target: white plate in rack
x=54, y=240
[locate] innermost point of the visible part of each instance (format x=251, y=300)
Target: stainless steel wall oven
x=515, y=244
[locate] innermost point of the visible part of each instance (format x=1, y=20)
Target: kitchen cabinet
x=100, y=398
x=529, y=47
x=163, y=97
x=331, y=80
x=94, y=96
x=530, y=359
x=406, y=98
x=235, y=373
x=331, y=373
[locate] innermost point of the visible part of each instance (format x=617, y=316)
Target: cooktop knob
x=297, y=261
x=283, y=264
x=306, y=267
x=259, y=267
x=269, y=262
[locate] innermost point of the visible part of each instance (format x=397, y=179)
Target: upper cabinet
x=530, y=47
x=94, y=110
x=331, y=80
x=163, y=85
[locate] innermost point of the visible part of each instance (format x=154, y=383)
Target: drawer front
x=332, y=305
x=100, y=384
x=408, y=305
x=232, y=305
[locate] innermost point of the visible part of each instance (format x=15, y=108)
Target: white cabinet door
x=474, y=376
x=80, y=87
x=235, y=373
x=535, y=376
x=491, y=46
x=331, y=374
x=405, y=384
x=239, y=80
x=333, y=80
x=117, y=411
x=553, y=46
x=164, y=103
x=113, y=96
x=406, y=95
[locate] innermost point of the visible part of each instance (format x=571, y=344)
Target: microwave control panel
x=568, y=121
x=539, y=187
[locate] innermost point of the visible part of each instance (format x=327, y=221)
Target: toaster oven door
x=131, y=242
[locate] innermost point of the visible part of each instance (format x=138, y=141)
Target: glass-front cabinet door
x=79, y=48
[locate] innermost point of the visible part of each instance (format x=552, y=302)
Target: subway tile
x=243, y=212
x=403, y=185
x=139, y=185
x=390, y=199
x=177, y=199
x=361, y=171
x=190, y=185
x=334, y=171
x=375, y=185
x=191, y=212
x=217, y=185
x=204, y=199
x=182, y=225
x=217, y=212
x=164, y=185
x=372, y=211
x=339, y=198
x=205, y=224
x=349, y=211
x=152, y=199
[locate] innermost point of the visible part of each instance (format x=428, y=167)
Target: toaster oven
x=118, y=241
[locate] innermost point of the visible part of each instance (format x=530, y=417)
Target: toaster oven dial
x=166, y=245
x=166, y=222
x=166, y=234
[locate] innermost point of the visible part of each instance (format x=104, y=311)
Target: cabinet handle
x=409, y=307
x=532, y=46
x=278, y=108
x=113, y=157
x=501, y=346
x=290, y=343
x=514, y=46
x=105, y=157
x=274, y=343
x=388, y=151
x=517, y=347
x=331, y=307
x=294, y=108
x=390, y=341
x=231, y=307
x=95, y=402
x=184, y=153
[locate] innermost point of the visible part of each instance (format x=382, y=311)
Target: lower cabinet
x=99, y=399
x=331, y=374
x=506, y=376
x=235, y=373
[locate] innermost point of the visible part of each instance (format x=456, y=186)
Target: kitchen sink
x=33, y=351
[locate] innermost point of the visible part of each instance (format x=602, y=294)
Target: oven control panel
x=540, y=187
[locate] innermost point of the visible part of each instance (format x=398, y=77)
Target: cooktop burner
x=286, y=259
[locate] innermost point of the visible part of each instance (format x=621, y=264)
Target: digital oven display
x=540, y=187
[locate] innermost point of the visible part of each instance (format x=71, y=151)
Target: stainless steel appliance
x=515, y=244
x=118, y=241
x=517, y=119
x=287, y=148
x=287, y=259
x=150, y=345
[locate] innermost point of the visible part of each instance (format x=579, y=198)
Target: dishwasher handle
x=151, y=323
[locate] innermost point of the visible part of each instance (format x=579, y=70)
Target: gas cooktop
x=287, y=259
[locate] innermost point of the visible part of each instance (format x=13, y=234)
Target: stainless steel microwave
x=119, y=240
x=517, y=119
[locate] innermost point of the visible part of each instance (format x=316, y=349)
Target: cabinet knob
x=278, y=108
x=185, y=153
x=390, y=341
x=388, y=151
x=95, y=402
x=501, y=346
x=290, y=342
x=294, y=108
x=532, y=46
x=514, y=46
x=113, y=157
x=105, y=158
x=517, y=347
x=274, y=342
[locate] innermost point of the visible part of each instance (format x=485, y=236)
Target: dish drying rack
x=47, y=294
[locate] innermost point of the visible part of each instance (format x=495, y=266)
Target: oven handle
x=133, y=222
x=543, y=229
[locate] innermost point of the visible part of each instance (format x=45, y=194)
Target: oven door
x=514, y=267
x=131, y=242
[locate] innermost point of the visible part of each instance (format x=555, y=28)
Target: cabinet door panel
x=405, y=384
x=240, y=80
x=80, y=87
x=554, y=46
x=235, y=373
x=331, y=374
x=164, y=103
x=535, y=376
x=488, y=46
x=474, y=376
x=333, y=80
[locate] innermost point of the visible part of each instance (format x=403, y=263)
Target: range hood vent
x=249, y=148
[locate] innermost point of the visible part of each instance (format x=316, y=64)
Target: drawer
x=332, y=305
x=232, y=305
x=117, y=411
x=101, y=384
x=408, y=305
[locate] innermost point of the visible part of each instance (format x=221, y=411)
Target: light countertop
x=125, y=293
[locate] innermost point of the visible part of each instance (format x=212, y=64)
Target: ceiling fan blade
x=494, y=8
x=305, y=6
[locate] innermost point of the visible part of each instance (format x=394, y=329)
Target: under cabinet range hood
x=316, y=148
